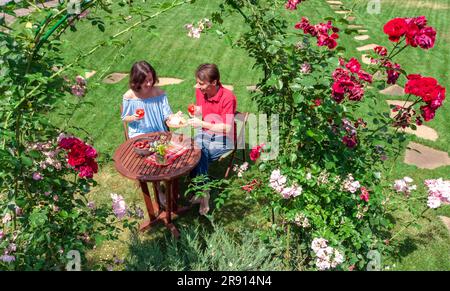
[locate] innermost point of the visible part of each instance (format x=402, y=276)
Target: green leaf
x=26, y=161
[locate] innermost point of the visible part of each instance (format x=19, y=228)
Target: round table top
x=131, y=165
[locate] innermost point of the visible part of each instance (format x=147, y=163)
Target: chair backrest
x=241, y=118
x=125, y=124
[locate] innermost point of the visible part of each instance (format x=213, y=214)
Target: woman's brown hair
x=138, y=74
x=208, y=72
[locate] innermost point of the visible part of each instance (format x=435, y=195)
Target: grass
x=175, y=55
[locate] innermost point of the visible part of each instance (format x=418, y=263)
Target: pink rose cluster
x=194, y=32
x=278, y=182
x=119, y=206
x=403, y=185
x=325, y=33
x=292, y=4
x=80, y=156
x=51, y=154
x=352, y=186
x=79, y=89
x=327, y=257
x=438, y=192
x=348, y=81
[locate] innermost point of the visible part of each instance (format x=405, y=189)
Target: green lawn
x=173, y=54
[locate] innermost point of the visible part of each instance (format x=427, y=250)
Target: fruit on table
x=140, y=113
x=142, y=145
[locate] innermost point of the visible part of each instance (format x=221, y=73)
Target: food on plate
x=177, y=120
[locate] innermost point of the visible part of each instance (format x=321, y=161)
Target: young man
x=214, y=117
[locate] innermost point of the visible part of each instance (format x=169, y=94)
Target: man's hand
x=195, y=122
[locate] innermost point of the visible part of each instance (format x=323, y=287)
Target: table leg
x=148, y=201
x=169, y=193
x=175, y=193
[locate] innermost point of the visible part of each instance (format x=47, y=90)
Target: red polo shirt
x=218, y=109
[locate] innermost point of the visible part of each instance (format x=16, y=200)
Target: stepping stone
x=394, y=90
x=362, y=37
x=169, y=81
x=335, y=7
x=362, y=30
x=87, y=75
x=425, y=157
x=366, y=60
x=8, y=18
x=342, y=11
x=378, y=76
x=251, y=88
x=368, y=47
x=114, y=78
x=351, y=18
x=446, y=221
x=335, y=2
x=353, y=26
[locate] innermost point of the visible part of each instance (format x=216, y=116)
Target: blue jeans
x=213, y=147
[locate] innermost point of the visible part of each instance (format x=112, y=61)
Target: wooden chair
x=125, y=124
x=240, y=121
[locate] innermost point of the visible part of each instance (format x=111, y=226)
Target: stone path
x=366, y=60
x=425, y=157
x=114, y=78
x=169, y=81
x=368, y=47
x=394, y=90
x=362, y=37
x=25, y=11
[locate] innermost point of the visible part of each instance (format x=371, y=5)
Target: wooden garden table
x=131, y=165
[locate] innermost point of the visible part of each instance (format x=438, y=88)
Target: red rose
x=353, y=65
x=255, y=153
x=317, y=102
x=427, y=113
x=380, y=50
x=364, y=194
x=365, y=76
x=350, y=141
x=425, y=38
x=68, y=142
x=424, y=87
x=395, y=28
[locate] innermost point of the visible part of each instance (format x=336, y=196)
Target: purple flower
x=91, y=205
x=7, y=258
x=2, y=234
x=119, y=206
x=56, y=198
x=37, y=176
x=18, y=210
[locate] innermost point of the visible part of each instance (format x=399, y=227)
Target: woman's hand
x=134, y=117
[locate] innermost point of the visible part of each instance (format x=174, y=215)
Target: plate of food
x=177, y=120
